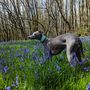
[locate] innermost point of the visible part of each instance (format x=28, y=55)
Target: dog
x=70, y=42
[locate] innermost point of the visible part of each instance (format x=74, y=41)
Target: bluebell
x=8, y=88
x=5, y=69
x=88, y=87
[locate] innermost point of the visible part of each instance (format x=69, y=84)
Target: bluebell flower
x=46, y=56
x=19, y=55
x=8, y=88
x=2, y=61
x=86, y=68
x=21, y=59
x=38, y=46
x=35, y=53
x=26, y=51
x=13, y=84
x=11, y=55
x=82, y=39
x=17, y=81
x=35, y=56
x=85, y=39
x=2, y=51
x=83, y=61
x=62, y=57
x=57, y=67
x=5, y=69
x=42, y=60
x=21, y=67
x=74, y=60
x=88, y=87
x=47, y=53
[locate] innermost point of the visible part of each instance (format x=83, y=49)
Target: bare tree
x=18, y=18
x=59, y=4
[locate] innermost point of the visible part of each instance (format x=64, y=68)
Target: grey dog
x=56, y=45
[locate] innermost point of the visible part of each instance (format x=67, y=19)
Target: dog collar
x=43, y=38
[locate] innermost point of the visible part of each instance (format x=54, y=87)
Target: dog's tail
x=79, y=51
x=81, y=48
x=85, y=63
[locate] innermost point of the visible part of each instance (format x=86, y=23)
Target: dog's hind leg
x=79, y=51
x=70, y=56
x=78, y=54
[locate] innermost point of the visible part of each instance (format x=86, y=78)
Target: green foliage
x=22, y=71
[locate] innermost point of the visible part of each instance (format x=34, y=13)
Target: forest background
x=18, y=18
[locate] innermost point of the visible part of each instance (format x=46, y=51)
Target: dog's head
x=36, y=35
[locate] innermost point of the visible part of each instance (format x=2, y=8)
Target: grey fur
x=56, y=45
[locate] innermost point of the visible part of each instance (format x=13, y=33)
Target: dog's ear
x=41, y=32
x=31, y=33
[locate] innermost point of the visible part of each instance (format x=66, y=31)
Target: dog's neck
x=43, y=39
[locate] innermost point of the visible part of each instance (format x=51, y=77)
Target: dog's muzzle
x=31, y=37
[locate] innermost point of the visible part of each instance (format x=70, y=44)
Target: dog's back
x=56, y=45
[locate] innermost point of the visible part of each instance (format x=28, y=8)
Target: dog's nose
x=29, y=37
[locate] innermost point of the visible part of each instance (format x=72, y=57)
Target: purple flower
x=21, y=67
x=86, y=68
x=82, y=39
x=37, y=46
x=8, y=88
x=42, y=60
x=5, y=69
x=17, y=81
x=74, y=60
x=85, y=39
x=2, y=51
x=2, y=61
x=21, y=59
x=88, y=87
x=11, y=55
x=47, y=55
x=62, y=57
x=35, y=56
x=26, y=51
x=19, y=55
x=83, y=61
x=57, y=67
x=13, y=84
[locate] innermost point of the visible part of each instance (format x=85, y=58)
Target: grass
x=23, y=67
